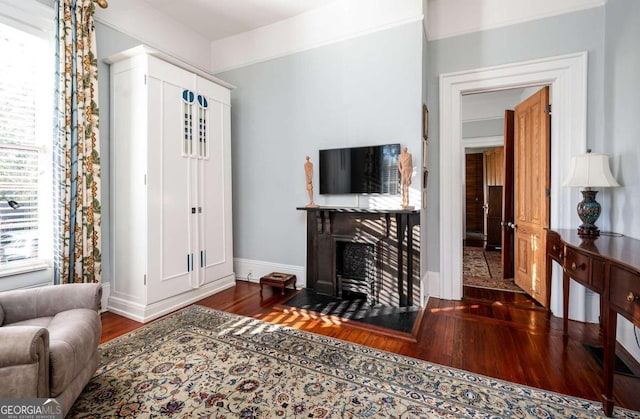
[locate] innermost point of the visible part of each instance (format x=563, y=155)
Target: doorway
x=483, y=248
x=487, y=125
x=490, y=180
x=567, y=75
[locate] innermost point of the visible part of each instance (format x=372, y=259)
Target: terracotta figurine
x=308, y=171
x=405, y=165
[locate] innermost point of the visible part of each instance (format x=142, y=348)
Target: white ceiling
x=217, y=19
x=491, y=105
x=219, y=35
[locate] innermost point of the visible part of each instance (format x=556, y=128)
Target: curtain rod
x=102, y=3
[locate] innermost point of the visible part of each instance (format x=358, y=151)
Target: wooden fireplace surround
x=386, y=229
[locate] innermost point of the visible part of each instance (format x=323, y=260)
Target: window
x=26, y=132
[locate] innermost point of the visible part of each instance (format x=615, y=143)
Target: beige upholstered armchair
x=49, y=338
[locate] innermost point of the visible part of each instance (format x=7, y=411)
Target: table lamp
x=590, y=170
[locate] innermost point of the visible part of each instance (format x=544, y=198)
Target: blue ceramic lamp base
x=588, y=211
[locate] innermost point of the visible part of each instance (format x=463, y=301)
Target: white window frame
x=39, y=20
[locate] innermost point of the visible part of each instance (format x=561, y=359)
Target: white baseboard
x=144, y=313
x=106, y=292
x=430, y=285
x=251, y=270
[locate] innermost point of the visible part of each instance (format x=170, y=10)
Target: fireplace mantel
x=390, y=230
x=360, y=210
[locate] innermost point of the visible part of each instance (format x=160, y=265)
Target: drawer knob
x=577, y=267
x=631, y=297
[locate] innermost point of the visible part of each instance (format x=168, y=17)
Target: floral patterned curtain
x=76, y=150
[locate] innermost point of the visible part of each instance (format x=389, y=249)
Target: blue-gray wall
x=622, y=127
x=484, y=128
x=563, y=34
x=622, y=111
x=369, y=89
x=362, y=91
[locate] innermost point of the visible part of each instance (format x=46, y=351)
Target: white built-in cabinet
x=171, y=232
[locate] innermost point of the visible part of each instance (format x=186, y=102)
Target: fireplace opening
x=356, y=271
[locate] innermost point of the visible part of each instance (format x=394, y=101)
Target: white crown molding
x=485, y=118
x=477, y=142
x=337, y=21
x=139, y=20
x=144, y=49
x=448, y=18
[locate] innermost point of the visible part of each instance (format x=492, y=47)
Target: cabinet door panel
x=128, y=192
x=213, y=182
x=170, y=218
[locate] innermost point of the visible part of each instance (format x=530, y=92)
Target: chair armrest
x=48, y=301
x=23, y=345
x=24, y=361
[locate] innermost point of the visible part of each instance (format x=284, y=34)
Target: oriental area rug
x=200, y=362
x=483, y=269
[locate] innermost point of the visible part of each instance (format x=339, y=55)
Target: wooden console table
x=609, y=266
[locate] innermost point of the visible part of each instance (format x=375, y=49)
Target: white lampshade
x=590, y=170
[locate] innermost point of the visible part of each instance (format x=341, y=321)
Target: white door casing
x=567, y=76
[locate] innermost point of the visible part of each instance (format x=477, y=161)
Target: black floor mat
x=620, y=366
x=400, y=319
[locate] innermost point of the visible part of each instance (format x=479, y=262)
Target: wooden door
x=474, y=194
x=532, y=183
x=493, y=167
x=507, y=196
x=494, y=217
x=493, y=177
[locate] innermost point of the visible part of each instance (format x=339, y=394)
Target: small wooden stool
x=278, y=279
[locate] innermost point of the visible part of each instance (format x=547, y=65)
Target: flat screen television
x=365, y=170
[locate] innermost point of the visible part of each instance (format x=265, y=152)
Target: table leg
x=565, y=307
x=409, y=262
x=400, y=226
x=609, y=358
x=549, y=276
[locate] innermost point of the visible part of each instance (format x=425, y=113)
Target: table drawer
x=624, y=292
x=577, y=265
x=554, y=246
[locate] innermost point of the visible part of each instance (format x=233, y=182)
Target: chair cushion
x=74, y=336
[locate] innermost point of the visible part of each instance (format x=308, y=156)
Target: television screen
x=372, y=169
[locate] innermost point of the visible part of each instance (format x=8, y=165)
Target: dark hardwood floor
x=498, y=334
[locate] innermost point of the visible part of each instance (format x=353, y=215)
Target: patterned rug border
x=502, y=387
x=493, y=288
